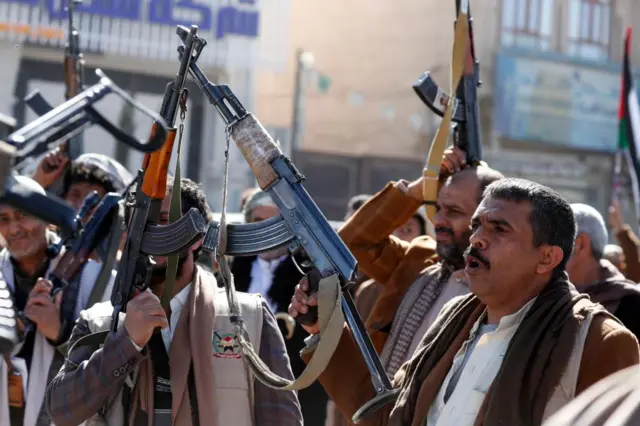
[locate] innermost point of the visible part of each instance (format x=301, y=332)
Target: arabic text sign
x=556, y=102
x=44, y=32
x=240, y=18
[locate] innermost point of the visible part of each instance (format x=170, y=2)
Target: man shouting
x=513, y=352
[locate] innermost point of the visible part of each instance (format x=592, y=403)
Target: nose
x=478, y=239
x=440, y=220
x=14, y=228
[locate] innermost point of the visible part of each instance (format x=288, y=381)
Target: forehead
x=517, y=214
x=7, y=210
x=461, y=192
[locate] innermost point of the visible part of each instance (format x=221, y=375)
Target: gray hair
x=257, y=199
x=589, y=221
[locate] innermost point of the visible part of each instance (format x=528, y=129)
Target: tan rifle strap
x=431, y=170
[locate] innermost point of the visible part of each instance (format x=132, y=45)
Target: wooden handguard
x=258, y=149
x=156, y=167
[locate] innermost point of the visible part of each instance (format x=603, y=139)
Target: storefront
x=556, y=123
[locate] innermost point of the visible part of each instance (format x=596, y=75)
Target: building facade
x=135, y=43
x=551, y=78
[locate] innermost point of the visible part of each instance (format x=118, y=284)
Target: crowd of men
x=500, y=311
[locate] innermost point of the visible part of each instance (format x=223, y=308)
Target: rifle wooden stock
x=71, y=81
x=156, y=167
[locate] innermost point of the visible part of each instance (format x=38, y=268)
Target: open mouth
x=472, y=264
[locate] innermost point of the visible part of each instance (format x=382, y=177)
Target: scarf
x=412, y=311
x=611, y=288
x=532, y=367
x=191, y=343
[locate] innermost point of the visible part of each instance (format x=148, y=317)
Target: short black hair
x=192, y=195
x=552, y=220
x=357, y=201
x=88, y=173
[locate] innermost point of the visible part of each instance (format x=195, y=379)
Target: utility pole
x=304, y=62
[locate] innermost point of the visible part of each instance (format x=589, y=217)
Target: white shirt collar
x=179, y=300
x=507, y=320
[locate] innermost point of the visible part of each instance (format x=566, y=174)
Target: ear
x=550, y=257
x=582, y=245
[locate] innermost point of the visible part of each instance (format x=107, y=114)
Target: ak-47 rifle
x=72, y=117
x=144, y=237
x=73, y=83
x=300, y=224
x=462, y=110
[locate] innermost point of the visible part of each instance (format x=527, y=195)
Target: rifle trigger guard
x=167, y=240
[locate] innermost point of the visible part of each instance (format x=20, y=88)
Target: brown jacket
x=394, y=263
x=609, y=347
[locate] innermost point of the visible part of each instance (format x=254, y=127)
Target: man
x=89, y=172
x=592, y=274
x=420, y=276
x=24, y=263
x=513, y=352
x=369, y=291
x=192, y=369
x=274, y=275
x=614, y=254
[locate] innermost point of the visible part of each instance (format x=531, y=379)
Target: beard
x=453, y=253
x=159, y=273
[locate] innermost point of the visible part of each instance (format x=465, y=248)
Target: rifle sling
x=330, y=315
x=432, y=169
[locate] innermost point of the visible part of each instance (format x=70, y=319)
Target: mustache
x=445, y=230
x=475, y=253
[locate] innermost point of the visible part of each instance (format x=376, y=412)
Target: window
x=589, y=28
x=527, y=23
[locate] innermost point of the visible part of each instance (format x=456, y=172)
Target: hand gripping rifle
x=73, y=82
x=300, y=224
x=79, y=246
x=462, y=110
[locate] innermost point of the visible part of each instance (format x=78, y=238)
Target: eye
x=500, y=229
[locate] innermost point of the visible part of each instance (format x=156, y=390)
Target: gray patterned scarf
x=412, y=311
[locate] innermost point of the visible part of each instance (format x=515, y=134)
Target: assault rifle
x=73, y=116
x=73, y=82
x=300, y=223
x=467, y=132
x=144, y=237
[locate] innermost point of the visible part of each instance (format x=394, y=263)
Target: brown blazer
x=392, y=262
x=609, y=347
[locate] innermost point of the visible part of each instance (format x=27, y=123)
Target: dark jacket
x=619, y=295
x=286, y=276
